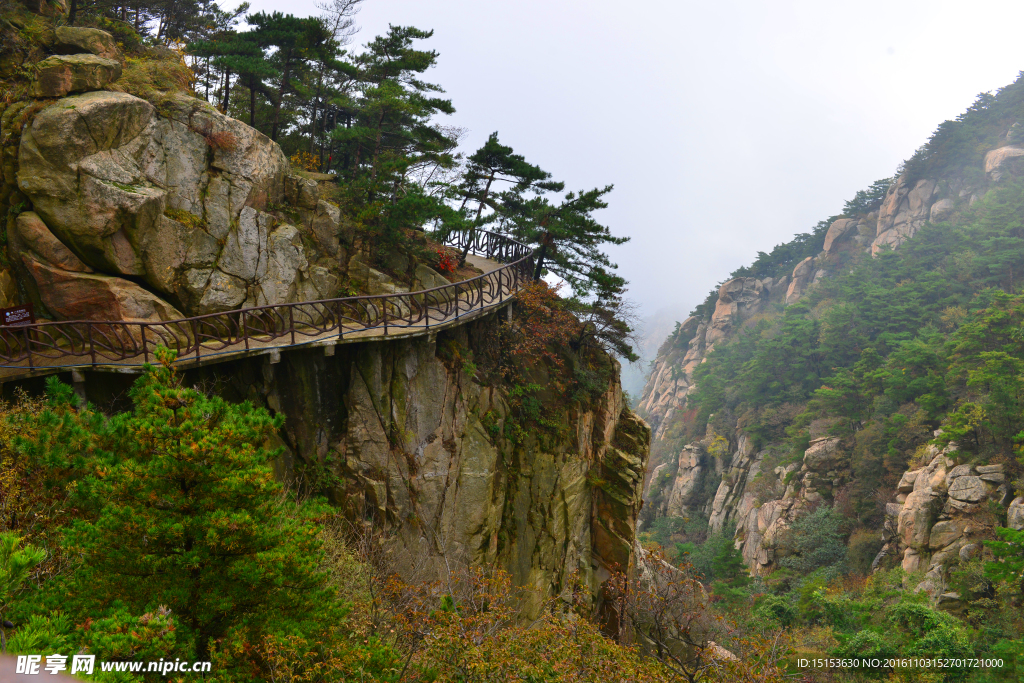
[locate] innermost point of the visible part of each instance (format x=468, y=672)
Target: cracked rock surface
x=172, y=199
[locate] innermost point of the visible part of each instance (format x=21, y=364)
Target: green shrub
x=774, y=608
x=861, y=550
x=818, y=542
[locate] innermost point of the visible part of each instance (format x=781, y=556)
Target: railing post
x=341, y=325
x=245, y=331
x=92, y=348
x=456, y=301
x=291, y=322
x=384, y=312
x=145, y=348
x=195, y=336
x=28, y=349
x=480, y=291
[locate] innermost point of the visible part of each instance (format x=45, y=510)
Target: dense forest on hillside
x=893, y=356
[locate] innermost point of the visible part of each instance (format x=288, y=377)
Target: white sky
x=727, y=126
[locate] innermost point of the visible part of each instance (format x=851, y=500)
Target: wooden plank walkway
x=368, y=319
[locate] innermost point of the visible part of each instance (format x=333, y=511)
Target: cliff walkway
x=125, y=346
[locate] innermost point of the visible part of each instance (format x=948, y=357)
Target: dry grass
x=147, y=76
x=221, y=139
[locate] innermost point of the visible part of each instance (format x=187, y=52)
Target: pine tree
x=392, y=135
x=495, y=162
x=187, y=514
x=295, y=41
x=1009, y=552
x=15, y=566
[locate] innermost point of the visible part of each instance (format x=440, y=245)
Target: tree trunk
x=227, y=91
x=72, y=11
x=540, y=257
x=316, y=103
x=252, y=105
x=226, y=102
x=280, y=97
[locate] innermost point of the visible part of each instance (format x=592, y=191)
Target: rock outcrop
x=171, y=201
x=60, y=75
x=414, y=443
x=938, y=517
x=904, y=211
x=739, y=302
x=803, y=276
x=739, y=299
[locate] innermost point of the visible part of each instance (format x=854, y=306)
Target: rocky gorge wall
x=418, y=445
x=760, y=492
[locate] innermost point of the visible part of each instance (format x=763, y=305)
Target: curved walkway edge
x=126, y=346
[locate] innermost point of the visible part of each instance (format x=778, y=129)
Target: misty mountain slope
x=821, y=373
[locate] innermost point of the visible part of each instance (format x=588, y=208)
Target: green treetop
x=495, y=162
x=187, y=515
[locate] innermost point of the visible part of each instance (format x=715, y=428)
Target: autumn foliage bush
x=542, y=331
x=446, y=261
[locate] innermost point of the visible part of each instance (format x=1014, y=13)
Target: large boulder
x=79, y=39
x=941, y=210
x=87, y=296
x=47, y=8
x=968, y=489
x=58, y=75
x=803, y=276
x=904, y=210
x=916, y=518
x=174, y=198
x=1015, y=514
x=324, y=223
x=944, y=533
x=996, y=159
x=739, y=299
x=302, y=192
x=906, y=484
x=839, y=230
x=823, y=454
x=37, y=237
x=933, y=476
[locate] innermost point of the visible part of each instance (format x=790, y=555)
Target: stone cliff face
x=739, y=302
x=402, y=438
x=120, y=207
x=930, y=528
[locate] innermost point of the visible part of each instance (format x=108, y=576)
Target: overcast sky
x=726, y=127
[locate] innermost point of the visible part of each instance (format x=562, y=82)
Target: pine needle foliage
x=183, y=511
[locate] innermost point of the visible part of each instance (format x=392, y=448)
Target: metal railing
x=98, y=342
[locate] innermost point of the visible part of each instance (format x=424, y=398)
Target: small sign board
x=17, y=315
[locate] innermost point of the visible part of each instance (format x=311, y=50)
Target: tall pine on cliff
x=182, y=513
